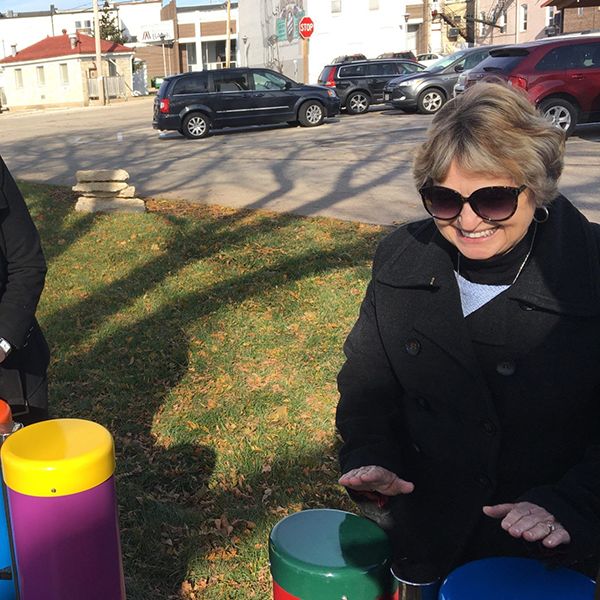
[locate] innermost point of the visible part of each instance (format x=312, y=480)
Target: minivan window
x=263, y=80
x=586, y=56
x=557, y=59
x=194, y=84
x=230, y=82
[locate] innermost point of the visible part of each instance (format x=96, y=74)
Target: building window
x=190, y=50
x=482, y=19
x=550, y=16
x=580, y=12
x=373, y=4
x=19, y=78
x=336, y=6
x=41, y=77
x=64, y=73
x=112, y=68
x=523, y=17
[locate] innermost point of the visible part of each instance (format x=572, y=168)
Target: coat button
x=483, y=480
x=488, y=427
x=506, y=367
x=417, y=448
x=413, y=347
x=422, y=403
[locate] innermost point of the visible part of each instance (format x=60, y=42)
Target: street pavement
x=353, y=167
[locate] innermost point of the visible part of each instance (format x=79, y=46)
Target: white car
x=429, y=58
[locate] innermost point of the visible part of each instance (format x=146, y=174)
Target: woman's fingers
x=529, y=521
x=376, y=479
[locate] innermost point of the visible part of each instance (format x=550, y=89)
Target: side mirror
x=459, y=68
x=288, y=85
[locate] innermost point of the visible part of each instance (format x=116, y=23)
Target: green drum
x=329, y=555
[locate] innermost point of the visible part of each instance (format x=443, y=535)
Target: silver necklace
x=522, y=264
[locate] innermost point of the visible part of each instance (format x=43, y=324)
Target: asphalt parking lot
x=352, y=167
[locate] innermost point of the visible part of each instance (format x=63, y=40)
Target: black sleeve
x=368, y=411
x=23, y=265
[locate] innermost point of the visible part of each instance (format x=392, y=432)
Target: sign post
x=306, y=27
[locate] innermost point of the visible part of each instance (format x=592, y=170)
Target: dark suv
x=560, y=76
x=360, y=83
x=195, y=103
x=428, y=91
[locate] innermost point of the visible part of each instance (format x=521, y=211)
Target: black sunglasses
x=493, y=203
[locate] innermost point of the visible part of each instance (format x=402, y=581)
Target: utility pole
x=228, y=43
x=426, y=33
x=99, y=76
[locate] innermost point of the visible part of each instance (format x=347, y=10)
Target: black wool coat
x=22, y=275
x=509, y=414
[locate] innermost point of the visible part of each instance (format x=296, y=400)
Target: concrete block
x=102, y=175
x=128, y=192
x=100, y=186
x=87, y=204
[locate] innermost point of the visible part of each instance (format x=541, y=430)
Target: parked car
x=461, y=83
x=347, y=58
x=407, y=54
x=427, y=91
x=559, y=75
x=429, y=58
x=360, y=84
x=194, y=103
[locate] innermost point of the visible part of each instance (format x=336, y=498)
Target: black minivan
x=194, y=103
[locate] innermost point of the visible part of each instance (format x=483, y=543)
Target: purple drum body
x=68, y=548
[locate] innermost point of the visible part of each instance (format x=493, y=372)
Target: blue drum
x=506, y=578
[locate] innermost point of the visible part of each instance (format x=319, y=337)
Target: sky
x=31, y=5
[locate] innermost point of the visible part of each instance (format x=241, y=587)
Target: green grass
x=207, y=340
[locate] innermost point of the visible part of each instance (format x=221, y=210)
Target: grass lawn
x=207, y=340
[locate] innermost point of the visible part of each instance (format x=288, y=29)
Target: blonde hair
x=494, y=129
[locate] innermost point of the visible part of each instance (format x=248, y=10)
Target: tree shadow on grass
x=123, y=379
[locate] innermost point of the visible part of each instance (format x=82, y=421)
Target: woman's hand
x=529, y=521
x=376, y=479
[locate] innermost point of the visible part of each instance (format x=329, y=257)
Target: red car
x=560, y=75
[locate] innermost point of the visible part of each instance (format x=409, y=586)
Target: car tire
x=311, y=114
x=196, y=125
x=430, y=101
x=357, y=103
x=561, y=113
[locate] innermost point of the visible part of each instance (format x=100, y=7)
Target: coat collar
x=562, y=274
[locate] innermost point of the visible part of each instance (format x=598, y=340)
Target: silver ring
x=551, y=527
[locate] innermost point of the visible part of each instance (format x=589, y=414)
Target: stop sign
x=306, y=27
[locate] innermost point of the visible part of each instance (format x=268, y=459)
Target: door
x=232, y=98
x=273, y=96
x=582, y=75
x=378, y=74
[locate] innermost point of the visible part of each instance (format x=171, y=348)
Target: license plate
x=386, y=97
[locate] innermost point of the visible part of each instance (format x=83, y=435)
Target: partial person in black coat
x=470, y=398
x=24, y=353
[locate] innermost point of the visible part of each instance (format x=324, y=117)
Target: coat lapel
x=437, y=313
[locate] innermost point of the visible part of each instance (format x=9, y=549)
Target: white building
x=269, y=31
x=62, y=71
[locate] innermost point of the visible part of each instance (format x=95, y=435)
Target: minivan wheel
x=357, y=103
x=311, y=114
x=560, y=113
x=430, y=101
x=196, y=126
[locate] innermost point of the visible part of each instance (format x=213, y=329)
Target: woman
x=470, y=399
x=23, y=350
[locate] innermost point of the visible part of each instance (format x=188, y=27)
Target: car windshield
x=445, y=61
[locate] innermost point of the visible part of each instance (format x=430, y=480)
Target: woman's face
x=474, y=237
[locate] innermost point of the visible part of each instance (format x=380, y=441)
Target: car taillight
x=164, y=105
x=330, y=78
x=518, y=82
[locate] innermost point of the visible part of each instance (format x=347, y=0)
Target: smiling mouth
x=474, y=235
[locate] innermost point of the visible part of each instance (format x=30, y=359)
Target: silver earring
x=545, y=213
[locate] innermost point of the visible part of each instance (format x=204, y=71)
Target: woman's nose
x=468, y=218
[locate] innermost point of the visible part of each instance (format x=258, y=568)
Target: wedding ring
x=551, y=527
